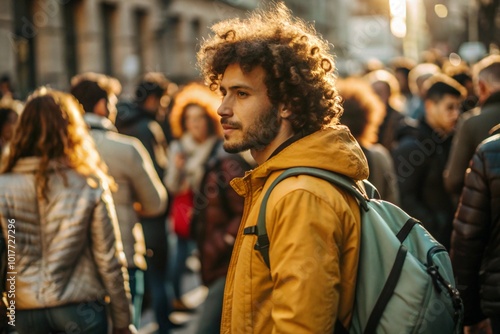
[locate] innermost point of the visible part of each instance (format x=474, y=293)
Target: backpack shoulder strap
x=342, y=181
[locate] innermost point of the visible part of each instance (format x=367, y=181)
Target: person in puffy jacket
x=56, y=209
x=475, y=248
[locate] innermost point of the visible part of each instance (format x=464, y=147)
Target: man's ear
x=284, y=111
x=429, y=105
x=483, y=88
x=101, y=108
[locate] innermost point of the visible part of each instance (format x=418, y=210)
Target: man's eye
x=242, y=94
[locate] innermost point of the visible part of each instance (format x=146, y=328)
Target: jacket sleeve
x=305, y=256
x=458, y=161
x=148, y=188
x=107, y=250
x=470, y=235
x=173, y=176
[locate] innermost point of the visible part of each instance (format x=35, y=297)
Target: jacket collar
x=95, y=121
x=492, y=99
x=333, y=149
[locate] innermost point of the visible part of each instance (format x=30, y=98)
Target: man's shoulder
x=490, y=145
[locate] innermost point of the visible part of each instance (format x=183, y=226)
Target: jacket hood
x=332, y=148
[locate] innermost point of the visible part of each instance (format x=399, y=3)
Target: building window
x=109, y=13
x=70, y=37
x=140, y=42
x=24, y=39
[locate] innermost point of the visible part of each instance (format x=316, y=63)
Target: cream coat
x=314, y=233
x=66, y=249
x=130, y=165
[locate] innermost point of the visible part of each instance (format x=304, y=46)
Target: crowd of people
x=99, y=188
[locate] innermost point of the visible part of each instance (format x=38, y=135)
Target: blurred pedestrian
x=195, y=123
x=476, y=123
x=420, y=160
x=6, y=89
x=395, y=124
x=55, y=196
x=416, y=79
x=9, y=113
x=217, y=215
x=140, y=191
x=475, y=248
x=138, y=119
x=277, y=79
x=462, y=73
x=363, y=114
x=401, y=66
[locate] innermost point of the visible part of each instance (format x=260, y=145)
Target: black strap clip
x=250, y=230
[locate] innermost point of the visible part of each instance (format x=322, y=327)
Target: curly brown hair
x=299, y=68
x=51, y=127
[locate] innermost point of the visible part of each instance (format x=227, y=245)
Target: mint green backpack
x=405, y=279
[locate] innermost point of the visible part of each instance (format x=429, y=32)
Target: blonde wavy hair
x=51, y=127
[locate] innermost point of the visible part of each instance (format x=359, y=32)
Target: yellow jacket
x=314, y=232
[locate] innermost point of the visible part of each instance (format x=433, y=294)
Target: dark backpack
x=405, y=279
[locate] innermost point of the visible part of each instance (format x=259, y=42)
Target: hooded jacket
x=68, y=247
x=314, y=234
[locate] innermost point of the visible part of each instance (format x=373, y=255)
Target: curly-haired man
x=279, y=100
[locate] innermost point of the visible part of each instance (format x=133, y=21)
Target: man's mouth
x=228, y=126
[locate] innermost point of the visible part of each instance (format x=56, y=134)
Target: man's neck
x=280, y=143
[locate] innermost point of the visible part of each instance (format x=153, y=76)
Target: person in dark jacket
x=475, y=248
x=475, y=124
x=138, y=120
x=420, y=160
x=218, y=210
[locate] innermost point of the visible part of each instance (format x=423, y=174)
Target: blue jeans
x=81, y=318
x=136, y=280
x=183, y=248
x=155, y=236
x=212, y=308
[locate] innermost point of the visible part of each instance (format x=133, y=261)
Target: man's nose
x=225, y=108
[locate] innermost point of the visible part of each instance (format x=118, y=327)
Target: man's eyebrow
x=237, y=86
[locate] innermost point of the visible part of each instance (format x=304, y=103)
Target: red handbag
x=182, y=212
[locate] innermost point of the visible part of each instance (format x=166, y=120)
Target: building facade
x=46, y=42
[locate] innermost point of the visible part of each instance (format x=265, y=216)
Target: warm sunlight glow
x=398, y=27
x=441, y=10
x=398, y=8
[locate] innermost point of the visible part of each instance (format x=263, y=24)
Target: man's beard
x=258, y=135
